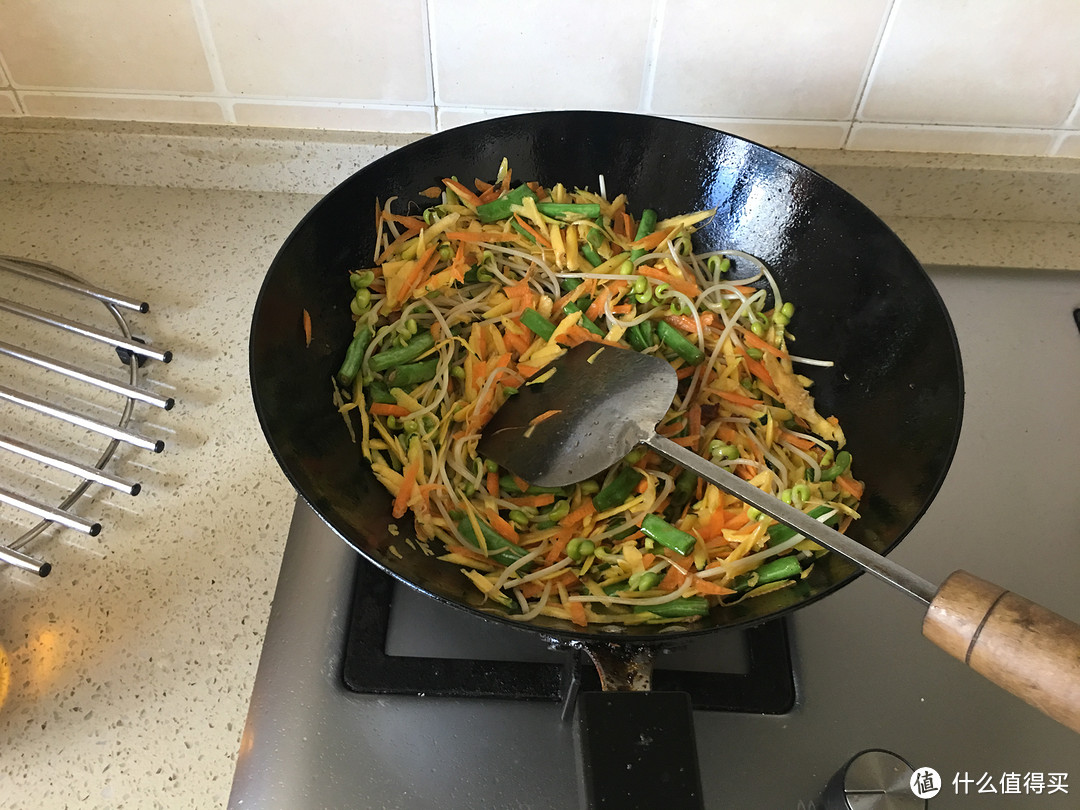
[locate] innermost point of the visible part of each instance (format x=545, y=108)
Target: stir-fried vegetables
x=477, y=293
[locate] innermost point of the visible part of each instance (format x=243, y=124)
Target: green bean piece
x=517, y=227
x=838, y=467
x=505, y=552
x=679, y=344
x=501, y=208
x=398, y=355
x=648, y=331
x=779, y=533
x=636, y=339
x=536, y=322
x=646, y=225
x=410, y=375
x=684, y=489
x=677, y=608
x=594, y=258
x=585, y=321
x=578, y=210
x=354, y=355
x=378, y=391
x=595, y=236
x=618, y=490
x=667, y=535
x=777, y=569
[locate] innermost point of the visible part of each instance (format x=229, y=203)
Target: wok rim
x=660, y=635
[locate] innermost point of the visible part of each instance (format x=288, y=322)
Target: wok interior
x=861, y=297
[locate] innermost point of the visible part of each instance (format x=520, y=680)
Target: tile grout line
x=1059, y=141
x=213, y=62
x=871, y=70
x=652, y=56
x=433, y=73
x=11, y=86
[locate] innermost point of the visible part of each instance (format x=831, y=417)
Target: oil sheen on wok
x=468, y=298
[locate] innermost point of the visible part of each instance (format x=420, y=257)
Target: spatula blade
x=580, y=414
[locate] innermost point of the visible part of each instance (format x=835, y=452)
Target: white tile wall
x=782, y=59
x=541, y=54
x=995, y=76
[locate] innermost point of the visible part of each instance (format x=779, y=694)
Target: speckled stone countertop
x=125, y=675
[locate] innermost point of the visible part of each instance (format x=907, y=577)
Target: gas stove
x=370, y=695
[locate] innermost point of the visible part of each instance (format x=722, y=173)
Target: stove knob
x=873, y=780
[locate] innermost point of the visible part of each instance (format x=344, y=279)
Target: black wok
x=862, y=300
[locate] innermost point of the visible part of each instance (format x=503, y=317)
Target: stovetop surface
x=1008, y=511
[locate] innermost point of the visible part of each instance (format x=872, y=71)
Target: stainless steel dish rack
x=65, y=409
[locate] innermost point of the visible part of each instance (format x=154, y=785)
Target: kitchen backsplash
x=976, y=76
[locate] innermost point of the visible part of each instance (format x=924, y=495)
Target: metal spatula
x=585, y=411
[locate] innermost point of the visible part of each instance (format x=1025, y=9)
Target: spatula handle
x=1019, y=645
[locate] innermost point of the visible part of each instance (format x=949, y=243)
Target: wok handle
x=1013, y=642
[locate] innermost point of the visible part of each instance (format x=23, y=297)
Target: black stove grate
x=767, y=687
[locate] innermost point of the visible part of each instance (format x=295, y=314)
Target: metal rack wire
x=41, y=388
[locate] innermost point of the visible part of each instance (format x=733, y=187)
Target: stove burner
x=767, y=687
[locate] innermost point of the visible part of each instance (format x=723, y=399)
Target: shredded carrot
x=482, y=236
x=540, y=238
x=405, y=491
x=715, y=524
x=542, y=499
x=764, y=345
x=653, y=240
x=519, y=290
x=577, y=516
x=492, y=484
x=797, y=441
x=516, y=341
x=577, y=613
x=413, y=223
x=388, y=409
x=504, y=527
x=424, y=265
x=307, y=328
x=739, y=399
x=597, y=306
x=704, y=586
x=757, y=369
x=536, y=420
x=558, y=545
x=432, y=192
x=850, y=485
x=688, y=288
x=673, y=578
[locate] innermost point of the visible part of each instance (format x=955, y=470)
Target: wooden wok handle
x=1022, y=647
